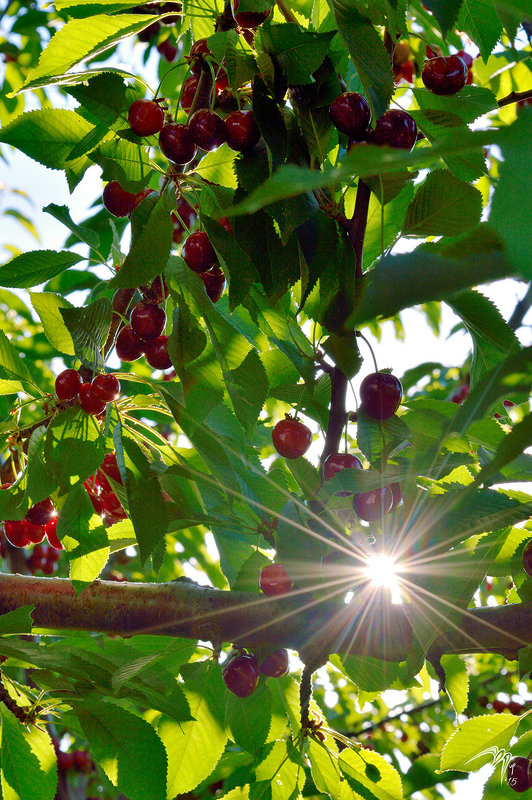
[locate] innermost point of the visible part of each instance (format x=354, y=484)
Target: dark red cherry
x=65, y=761
x=273, y=580
x=397, y=494
x=89, y=402
x=147, y=321
x=139, y=197
x=241, y=130
x=176, y=143
x=149, y=33
x=198, y=252
x=16, y=534
x=196, y=56
x=50, y=531
x=519, y=774
x=145, y=117
x=214, y=284
x=224, y=222
x=249, y=19
x=117, y=201
x=275, y=665
x=157, y=353
x=108, y=468
x=373, y=505
x=291, y=438
x=396, y=128
x=82, y=761
x=527, y=559
x=207, y=129
x=35, y=533
x=41, y=513
x=67, y=384
x=380, y=394
x=241, y=674
x=336, y=462
x=128, y=345
x=444, y=74
x=112, y=505
x=351, y=114
x=157, y=291
x=188, y=92
x=106, y=387
x=466, y=58
x=168, y=8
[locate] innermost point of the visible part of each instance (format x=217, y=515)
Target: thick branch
x=183, y=608
x=514, y=97
x=356, y=227
x=337, y=413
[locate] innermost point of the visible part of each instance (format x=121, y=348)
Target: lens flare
x=382, y=571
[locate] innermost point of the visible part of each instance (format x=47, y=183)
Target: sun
x=383, y=571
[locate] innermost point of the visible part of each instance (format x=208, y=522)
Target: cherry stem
x=361, y=336
x=176, y=66
x=202, y=96
x=286, y=12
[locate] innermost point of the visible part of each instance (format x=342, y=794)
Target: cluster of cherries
x=500, y=705
x=102, y=496
x=380, y=396
x=93, y=396
x=79, y=760
x=241, y=672
x=144, y=334
x=39, y=522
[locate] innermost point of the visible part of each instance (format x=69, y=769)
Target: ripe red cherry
x=50, y=531
x=373, y=505
x=466, y=58
x=167, y=49
x=157, y=353
x=241, y=130
x=241, y=675
x=273, y=580
x=128, y=345
x=112, y=505
x=445, y=74
x=207, y=129
x=67, y=384
x=109, y=468
x=336, y=462
x=214, y=284
x=198, y=252
x=188, y=92
x=275, y=665
x=157, y=291
x=249, y=19
x=397, y=494
x=396, y=128
x=35, y=533
x=176, y=142
x=117, y=201
x=89, y=402
x=82, y=761
x=106, y=387
x=145, y=117
x=196, y=56
x=527, y=559
x=15, y=533
x=291, y=438
x=350, y=113
x=138, y=198
x=519, y=774
x=65, y=761
x=380, y=394
x=147, y=321
x=41, y=513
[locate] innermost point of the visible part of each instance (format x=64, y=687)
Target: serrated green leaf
x=124, y=161
x=217, y=166
x=249, y=718
x=47, y=306
x=480, y=20
x=469, y=104
x=74, y=448
x=10, y=359
x=456, y=681
x=385, y=223
x=369, y=55
x=445, y=11
x=443, y=206
x=83, y=536
x=47, y=136
x=512, y=446
x=89, y=327
x=353, y=767
x=125, y=746
x=81, y=39
x=83, y=233
x=464, y=748
x=37, y=266
x=270, y=121
x=234, y=260
x=17, y=621
x=299, y=52
x=10, y=387
x=29, y=766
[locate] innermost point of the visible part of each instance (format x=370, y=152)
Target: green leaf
x=324, y=769
x=74, y=448
x=151, y=241
x=299, y=52
x=83, y=536
x=84, y=234
x=464, y=749
x=218, y=166
x=38, y=266
x=353, y=767
x=10, y=359
x=385, y=223
x=126, y=747
x=17, y=621
x=469, y=104
x=47, y=136
x=493, y=339
x=446, y=12
x=306, y=476
x=270, y=121
x=514, y=189
x=234, y=261
x=29, y=766
x=194, y=748
x=81, y=39
x=249, y=718
x=252, y=381
x=47, y=306
x=480, y=20
x=456, y=681
x=123, y=161
x=10, y=387
x=443, y=206
x=105, y=97
x=511, y=447
x=369, y=55
x=89, y=327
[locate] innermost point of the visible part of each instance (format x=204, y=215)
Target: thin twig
x=514, y=97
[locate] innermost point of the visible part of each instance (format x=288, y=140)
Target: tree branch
x=356, y=226
x=514, y=97
x=519, y=312
x=337, y=413
x=368, y=627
